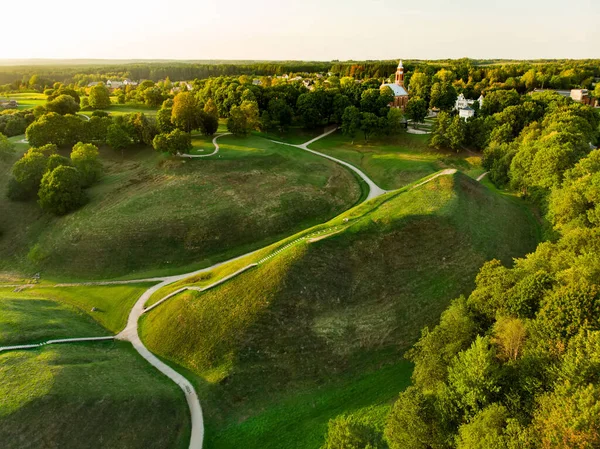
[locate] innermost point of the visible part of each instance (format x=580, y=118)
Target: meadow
x=88, y=395
x=295, y=334
x=395, y=161
x=191, y=213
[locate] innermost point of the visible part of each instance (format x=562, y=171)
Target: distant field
x=112, y=303
x=300, y=332
x=155, y=214
x=395, y=161
x=26, y=100
x=99, y=395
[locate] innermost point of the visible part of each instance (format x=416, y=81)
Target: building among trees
x=398, y=89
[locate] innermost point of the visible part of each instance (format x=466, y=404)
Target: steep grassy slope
x=395, y=161
x=101, y=395
x=297, y=333
x=151, y=214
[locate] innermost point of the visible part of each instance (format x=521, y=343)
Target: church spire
x=400, y=74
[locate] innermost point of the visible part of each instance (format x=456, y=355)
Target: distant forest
x=78, y=71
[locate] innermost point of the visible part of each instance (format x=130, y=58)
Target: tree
x=509, y=337
x=153, y=97
x=7, y=148
x=210, y=108
x=61, y=130
x=473, y=377
x=56, y=160
x=185, y=114
x=369, y=124
x=443, y=96
x=416, y=109
x=29, y=170
x=237, y=123
x=63, y=104
x=250, y=110
x=61, y=190
x=419, y=85
x=210, y=124
x=280, y=113
x=456, y=133
x=351, y=121
x=163, y=120
x=85, y=158
x=395, y=120
x=348, y=432
x=99, y=97
x=176, y=142
x=485, y=431
x=117, y=138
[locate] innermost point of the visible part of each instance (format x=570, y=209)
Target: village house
x=111, y=84
x=8, y=104
x=398, y=89
x=463, y=103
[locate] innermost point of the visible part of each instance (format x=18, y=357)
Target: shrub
x=61, y=190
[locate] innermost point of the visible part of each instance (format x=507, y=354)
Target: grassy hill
x=151, y=214
x=395, y=161
x=100, y=395
x=321, y=327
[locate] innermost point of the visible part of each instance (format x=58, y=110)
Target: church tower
x=400, y=74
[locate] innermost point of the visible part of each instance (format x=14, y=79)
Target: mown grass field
x=33, y=320
x=153, y=214
x=112, y=303
x=26, y=100
x=323, y=318
x=100, y=395
x=395, y=161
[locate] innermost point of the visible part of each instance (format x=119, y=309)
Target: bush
x=61, y=190
x=85, y=159
x=175, y=142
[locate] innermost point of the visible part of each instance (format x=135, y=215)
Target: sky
x=301, y=30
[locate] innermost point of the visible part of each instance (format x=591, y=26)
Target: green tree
x=99, y=97
x=186, y=113
x=7, y=148
x=280, y=113
x=163, y=120
x=485, y=431
x=473, y=377
x=419, y=85
x=29, y=170
x=56, y=160
x=443, y=96
x=416, y=109
x=351, y=121
x=117, y=138
x=63, y=104
x=176, y=142
x=396, y=121
x=456, y=133
x=237, y=123
x=348, y=432
x=210, y=124
x=210, y=108
x=61, y=190
x=250, y=110
x=369, y=124
x=85, y=157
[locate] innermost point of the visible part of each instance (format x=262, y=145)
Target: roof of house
x=398, y=91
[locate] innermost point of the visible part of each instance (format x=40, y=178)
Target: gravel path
x=374, y=189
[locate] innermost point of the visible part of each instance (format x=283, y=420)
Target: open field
x=191, y=213
x=112, y=302
x=281, y=335
x=396, y=161
x=26, y=100
x=34, y=320
x=88, y=395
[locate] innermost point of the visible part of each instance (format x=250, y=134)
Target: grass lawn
x=153, y=214
x=395, y=161
x=333, y=311
x=112, y=302
x=97, y=395
x=295, y=135
x=121, y=109
x=33, y=320
x=26, y=100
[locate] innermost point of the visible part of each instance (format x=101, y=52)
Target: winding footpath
x=131, y=331
x=214, y=141
x=374, y=189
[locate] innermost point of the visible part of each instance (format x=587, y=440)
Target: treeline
x=560, y=74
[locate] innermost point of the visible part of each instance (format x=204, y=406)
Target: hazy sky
x=301, y=29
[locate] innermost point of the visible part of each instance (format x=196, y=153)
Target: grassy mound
x=101, y=395
x=151, y=214
x=396, y=161
x=323, y=318
x=112, y=304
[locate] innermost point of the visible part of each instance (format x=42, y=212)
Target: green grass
x=295, y=135
x=112, y=302
x=33, y=320
x=334, y=310
x=88, y=396
x=396, y=161
x=26, y=100
x=127, y=108
x=154, y=215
